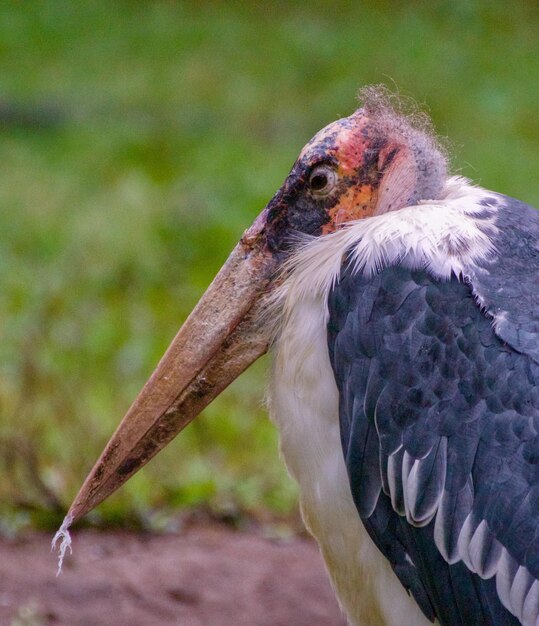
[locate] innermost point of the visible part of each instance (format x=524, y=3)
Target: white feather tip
x=62, y=535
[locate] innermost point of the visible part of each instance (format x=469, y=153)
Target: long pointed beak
x=218, y=341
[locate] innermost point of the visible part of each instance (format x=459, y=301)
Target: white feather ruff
x=444, y=236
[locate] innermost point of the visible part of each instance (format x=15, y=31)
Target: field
x=138, y=140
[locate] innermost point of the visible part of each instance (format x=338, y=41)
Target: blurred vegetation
x=138, y=140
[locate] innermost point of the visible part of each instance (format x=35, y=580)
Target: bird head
x=369, y=163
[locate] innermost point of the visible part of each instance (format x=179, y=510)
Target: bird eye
x=322, y=180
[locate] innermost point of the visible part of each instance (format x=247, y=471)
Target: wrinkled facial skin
x=347, y=155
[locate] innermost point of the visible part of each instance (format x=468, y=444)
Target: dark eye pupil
x=319, y=181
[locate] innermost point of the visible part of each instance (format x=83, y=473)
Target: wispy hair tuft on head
x=401, y=119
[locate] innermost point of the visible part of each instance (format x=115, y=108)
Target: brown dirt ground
x=205, y=576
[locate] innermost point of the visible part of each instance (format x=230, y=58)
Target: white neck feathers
x=445, y=236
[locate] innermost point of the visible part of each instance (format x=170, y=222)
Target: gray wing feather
x=448, y=438
x=507, y=284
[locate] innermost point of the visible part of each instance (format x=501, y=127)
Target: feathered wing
x=439, y=410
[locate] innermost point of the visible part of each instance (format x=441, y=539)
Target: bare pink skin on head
x=363, y=158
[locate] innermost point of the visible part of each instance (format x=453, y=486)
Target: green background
x=138, y=140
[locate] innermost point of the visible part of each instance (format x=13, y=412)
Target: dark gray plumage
x=439, y=412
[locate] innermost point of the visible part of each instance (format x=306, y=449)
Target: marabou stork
x=401, y=306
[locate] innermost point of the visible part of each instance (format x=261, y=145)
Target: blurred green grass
x=138, y=140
